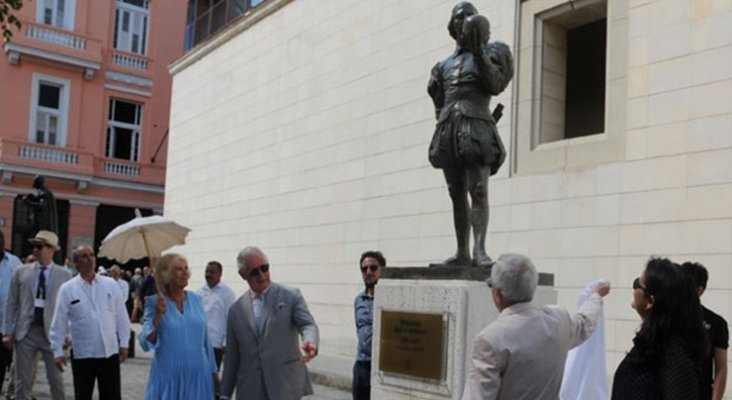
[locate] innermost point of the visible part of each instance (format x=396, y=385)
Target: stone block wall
x=306, y=133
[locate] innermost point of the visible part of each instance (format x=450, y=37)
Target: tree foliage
x=8, y=20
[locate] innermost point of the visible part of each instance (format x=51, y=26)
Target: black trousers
x=219, y=355
x=6, y=357
x=361, y=386
x=103, y=370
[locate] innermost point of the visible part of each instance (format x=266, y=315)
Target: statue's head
x=460, y=12
x=475, y=28
x=39, y=181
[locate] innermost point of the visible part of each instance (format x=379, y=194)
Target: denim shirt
x=8, y=264
x=364, y=314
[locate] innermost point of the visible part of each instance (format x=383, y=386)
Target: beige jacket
x=521, y=355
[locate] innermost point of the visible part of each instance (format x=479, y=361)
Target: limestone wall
x=306, y=134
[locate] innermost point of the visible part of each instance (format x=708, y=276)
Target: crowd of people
x=265, y=337
x=83, y=318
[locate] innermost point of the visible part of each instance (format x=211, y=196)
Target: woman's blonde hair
x=163, y=268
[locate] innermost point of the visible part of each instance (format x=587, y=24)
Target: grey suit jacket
x=268, y=363
x=19, y=307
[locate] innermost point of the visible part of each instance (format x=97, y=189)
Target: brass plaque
x=412, y=344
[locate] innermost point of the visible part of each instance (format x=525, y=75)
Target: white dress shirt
x=216, y=303
x=124, y=289
x=96, y=315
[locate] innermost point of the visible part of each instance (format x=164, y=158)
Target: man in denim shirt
x=8, y=264
x=372, y=264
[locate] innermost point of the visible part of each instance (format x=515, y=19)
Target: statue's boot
x=457, y=260
x=481, y=259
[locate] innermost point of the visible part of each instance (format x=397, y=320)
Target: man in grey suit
x=263, y=361
x=28, y=313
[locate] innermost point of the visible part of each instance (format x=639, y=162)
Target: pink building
x=85, y=102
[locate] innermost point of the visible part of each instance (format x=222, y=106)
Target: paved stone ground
x=134, y=379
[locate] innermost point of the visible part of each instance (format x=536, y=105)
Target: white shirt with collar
x=46, y=274
x=124, y=288
x=216, y=303
x=95, y=314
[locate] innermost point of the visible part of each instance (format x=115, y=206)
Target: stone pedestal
x=423, y=358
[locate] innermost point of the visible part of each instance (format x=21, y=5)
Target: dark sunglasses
x=38, y=246
x=637, y=285
x=372, y=268
x=255, y=272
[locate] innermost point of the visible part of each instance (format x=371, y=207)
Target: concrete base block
x=466, y=308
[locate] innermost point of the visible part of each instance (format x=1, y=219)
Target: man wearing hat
x=28, y=313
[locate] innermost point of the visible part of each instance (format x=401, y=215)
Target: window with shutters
x=131, y=25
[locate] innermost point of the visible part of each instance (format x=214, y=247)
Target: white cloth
x=520, y=356
x=216, y=303
x=96, y=315
x=124, y=288
x=584, y=371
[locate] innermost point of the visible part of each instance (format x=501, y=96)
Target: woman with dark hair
x=671, y=344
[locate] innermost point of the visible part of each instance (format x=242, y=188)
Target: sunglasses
x=637, y=285
x=372, y=268
x=38, y=246
x=262, y=269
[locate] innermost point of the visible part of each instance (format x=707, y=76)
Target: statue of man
x=43, y=215
x=466, y=144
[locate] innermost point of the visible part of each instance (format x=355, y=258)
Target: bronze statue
x=43, y=215
x=466, y=144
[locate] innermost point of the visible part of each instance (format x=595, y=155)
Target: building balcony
x=112, y=168
x=129, y=69
x=60, y=46
x=135, y=63
x=18, y=156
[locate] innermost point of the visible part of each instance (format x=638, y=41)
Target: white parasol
x=142, y=237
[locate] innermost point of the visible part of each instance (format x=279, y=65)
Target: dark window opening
x=122, y=143
x=585, y=87
x=124, y=112
x=49, y=96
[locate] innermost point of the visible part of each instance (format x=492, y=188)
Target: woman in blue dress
x=174, y=326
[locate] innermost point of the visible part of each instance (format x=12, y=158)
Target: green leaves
x=8, y=20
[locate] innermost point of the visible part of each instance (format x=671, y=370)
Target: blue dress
x=183, y=365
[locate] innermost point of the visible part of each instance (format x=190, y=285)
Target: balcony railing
x=130, y=61
x=47, y=154
x=118, y=168
x=57, y=46
x=55, y=36
x=113, y=168
x=20, y=153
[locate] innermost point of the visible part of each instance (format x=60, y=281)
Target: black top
x=718, y=332
x=148, y=288
x=678, y=377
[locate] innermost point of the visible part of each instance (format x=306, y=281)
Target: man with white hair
x=521, y=354
x=264, y=328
